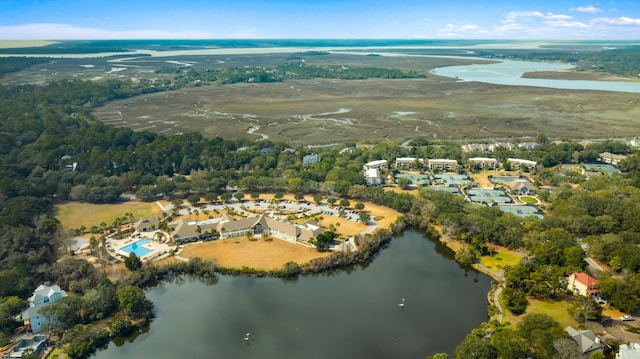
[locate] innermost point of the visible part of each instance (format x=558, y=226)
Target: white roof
x=518, y=160
x=376, y=163
x=631, y=351
x=444, y=160
x=487, y=159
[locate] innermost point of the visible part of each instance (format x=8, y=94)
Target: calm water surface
x=351, y=313
x=509, y=72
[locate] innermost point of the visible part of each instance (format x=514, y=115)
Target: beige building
x=252, y=226
x=582, y=284
x=443, y=164
x=484, y=162
x=409, y=162
x=517, y=163
x=611, y=158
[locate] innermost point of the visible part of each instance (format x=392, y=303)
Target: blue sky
x=231, y=19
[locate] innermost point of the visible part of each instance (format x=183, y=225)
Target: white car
x=626, y=318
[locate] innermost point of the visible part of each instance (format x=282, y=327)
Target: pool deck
x=158, y=250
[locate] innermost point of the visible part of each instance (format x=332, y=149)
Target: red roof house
x=582, y=283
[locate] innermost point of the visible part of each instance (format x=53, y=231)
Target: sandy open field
x=259, y=253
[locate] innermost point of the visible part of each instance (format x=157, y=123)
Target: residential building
x=46, y=293
x=517, y=163
x=611, y=158
x=379, y=164
x=409, y=162
x=635, y=142
x=372, y=172
x=475, y=147
x=443, y=164
x=528, y=146
x=484, y=162
x=586, y=340
x=582, y=284
x=347, y=150
x=42, y=296
x=505, y=145
x=308, y=160
x=631, y=351
x=373, y=176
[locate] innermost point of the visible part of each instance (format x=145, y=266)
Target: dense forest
x=52, y=149
x=296, y=70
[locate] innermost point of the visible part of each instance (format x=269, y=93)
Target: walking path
x=496, y=301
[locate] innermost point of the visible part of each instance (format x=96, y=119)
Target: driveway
x=616, y=328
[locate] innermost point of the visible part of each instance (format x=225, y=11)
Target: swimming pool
x=137, y=248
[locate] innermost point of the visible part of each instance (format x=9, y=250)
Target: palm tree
x=160, y=235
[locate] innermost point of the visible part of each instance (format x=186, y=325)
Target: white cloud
x=514, y=16
x=622, y=21
x=535, y=23
x=552, y=16
x=462, y=30
x=588, y=9
x=48, y=31
x=562, y=23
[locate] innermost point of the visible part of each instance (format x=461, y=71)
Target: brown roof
x=518, y=184
x=302, y=232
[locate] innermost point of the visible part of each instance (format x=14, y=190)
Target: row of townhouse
x=492, y=163
x=373, y=171
x=414, y=163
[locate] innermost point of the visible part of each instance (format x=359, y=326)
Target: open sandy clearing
x=259, y=253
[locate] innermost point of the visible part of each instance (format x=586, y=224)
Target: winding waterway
x=509, y=72
x=351, y=313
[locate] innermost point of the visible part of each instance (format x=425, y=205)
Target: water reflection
x=352, y=313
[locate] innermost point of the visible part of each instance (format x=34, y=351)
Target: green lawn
x=503, y=258
x=529, y=200
x=558, y=310
x=72, y=215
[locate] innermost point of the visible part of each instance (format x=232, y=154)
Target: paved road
x=616, y=328
x=496, y=301
x=593, y=264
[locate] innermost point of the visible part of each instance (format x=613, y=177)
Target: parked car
x=626, y=318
